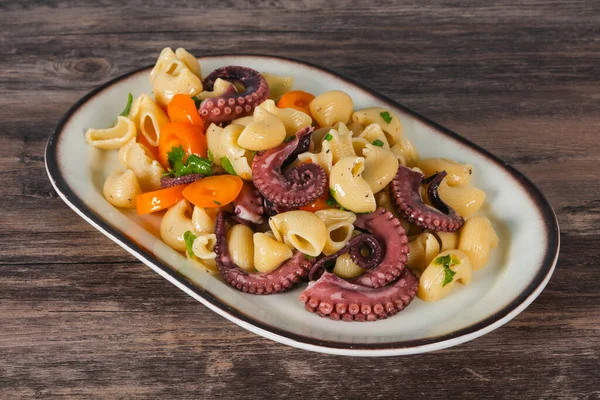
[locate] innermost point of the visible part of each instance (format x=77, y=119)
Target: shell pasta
x=252, y=179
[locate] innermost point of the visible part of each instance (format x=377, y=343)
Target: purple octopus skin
x=388, y=230
x=353, y=247
x=277, y=281
x=271, y=209
x=337, y=299
x=249, y=204
x=297, y=186
x=405, y=191
x=231, y=104
x=169, y=181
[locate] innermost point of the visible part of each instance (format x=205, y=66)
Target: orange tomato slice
x=296, y=99
x=319, y=204
x=213, y=191
x=157, y=200
x=182, y=108
x=175, y=134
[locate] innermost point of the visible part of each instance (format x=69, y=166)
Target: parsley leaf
x=227, y=166
x=128, y=106
x=331, y=199
x=378, y=142
x=328, y=137
x=307, y=257
x=217, y=202
x=193, y=165
x=386, y=116
x=447, y=261
x=197, y=101
x=189, y=238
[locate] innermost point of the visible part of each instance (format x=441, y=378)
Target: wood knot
x=91, y=66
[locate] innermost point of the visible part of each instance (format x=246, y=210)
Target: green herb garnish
x=192, y=165
x=378, y=142
x=128, y=106
x=386, y=116
x=331, y=202
x=189, y=238
x=217, y=203
x=307, y=257
x=210, y=155
x=328, y=137
x=447, y=261
x=197, y=101
x=227, y=166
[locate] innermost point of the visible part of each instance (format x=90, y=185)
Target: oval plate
x=516, y=274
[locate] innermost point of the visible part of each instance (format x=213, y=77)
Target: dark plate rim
x=544, y=271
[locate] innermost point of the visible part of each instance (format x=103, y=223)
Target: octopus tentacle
x=249, y=204
x=277, y=281
x=405, y=190
x=337, y=299
x=296, y=187
x=387, y=229
x=353, y=247
x=232, y=105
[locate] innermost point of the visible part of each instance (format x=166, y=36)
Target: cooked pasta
x=332, y=107
x=359, y=144
x=302, y=229
x=464, y=200
x=477, y=237
x=220, y=87
x=348, y=186
x=269, y=253
x=223, y=142
x=356, y=128
x=137, y=157
x=448, y=240
x=423, y=249
x=241, y=247
x=175, y=73
x=203, y=246
x=380, y=167
x=324, y=158
x=346, y=268
x=120, y=188
x=405, y=151
x=148, y=118
x=339, y=226
x=458, y=174
x=384, y=200
x=387, y=120
x=265, y=132
x=340, y=142
x=209, y=265
x=175, y=224
x=278, y=84
x=374, y=134
x=292, y=119
x=440, y=275
x=112, y=138
x=203, y=220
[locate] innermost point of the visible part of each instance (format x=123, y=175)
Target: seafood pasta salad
x=270, y=188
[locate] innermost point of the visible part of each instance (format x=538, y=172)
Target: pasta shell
x=269, y=254
x=458, y=174
x=406, y=153
x=301, y=229
x=174, y=224
x=148, y=118
x=476, y=239
x=340, y=225
x=431, y=282
x=220, y=87
x=278, y=84
x=241, y=247
x=203, y=246
x=136, y=157
x=292, y=119
x=112, y=138
x=391, y=125
x=373, y=133
x=448, y=240
x=345, y=268
x=265, y=132
x=464, y=200
x=121, y=188
x=175, y=73
x=380, y=167
x=348, y=186
x=203, y=220
x=324, y=158
x=331, y=107
x=422, y=250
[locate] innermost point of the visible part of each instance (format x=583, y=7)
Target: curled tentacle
x=169, y=181
x=405, y=190
x=272, y=209
x=296, y=187
x=277, y=281
x=354, y=247
x=249, y=204
x=232, y=105
x=337, y=299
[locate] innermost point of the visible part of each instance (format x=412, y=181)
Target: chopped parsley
x=227, y=166
x=128, y=106
x=197, y=101
x=192, y=165
x=307, y=257
x=328, y=137
x=378, y=143
x=217, y=202
x=331, y=199
x=386, y=116
x=447, y=261
x=189, y=238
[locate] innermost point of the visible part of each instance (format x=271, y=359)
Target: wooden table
x=79, y=317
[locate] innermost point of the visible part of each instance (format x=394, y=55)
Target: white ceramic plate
x=518, y=271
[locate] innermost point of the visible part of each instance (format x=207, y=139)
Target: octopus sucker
x=358, y=303
x=296, y=187
x=257, y=283
x=249, y=204
x=405, y=191
x=220, y=109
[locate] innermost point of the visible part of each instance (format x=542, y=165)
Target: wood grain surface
x=81, y=318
